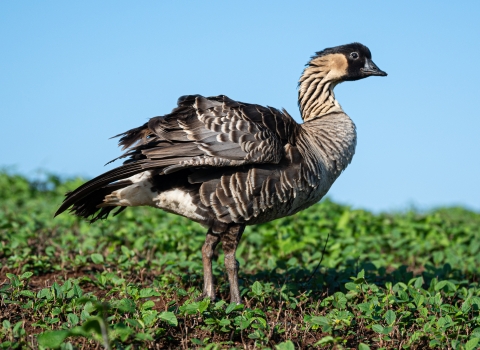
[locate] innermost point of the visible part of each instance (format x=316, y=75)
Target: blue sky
x=74, y=74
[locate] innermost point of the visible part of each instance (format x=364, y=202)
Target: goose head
x=325, y=70
x=346, y=63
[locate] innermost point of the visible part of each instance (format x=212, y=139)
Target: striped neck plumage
x=315, y=90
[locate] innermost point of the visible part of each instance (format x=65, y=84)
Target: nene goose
x=227, y=164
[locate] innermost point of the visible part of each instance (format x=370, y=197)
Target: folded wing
x=200, y=133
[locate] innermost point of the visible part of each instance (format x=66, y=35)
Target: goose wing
x=214, y=131
x=200, y=132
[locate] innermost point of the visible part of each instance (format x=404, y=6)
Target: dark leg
x=208, y=249
x=230, y=241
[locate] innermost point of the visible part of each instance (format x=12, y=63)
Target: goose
x=227, y=164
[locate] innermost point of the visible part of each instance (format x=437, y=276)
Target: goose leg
x=208, y=249
x=230, y=240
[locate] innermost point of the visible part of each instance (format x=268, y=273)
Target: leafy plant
x=401, y=280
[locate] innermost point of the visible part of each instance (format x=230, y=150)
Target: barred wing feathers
x=200, y=132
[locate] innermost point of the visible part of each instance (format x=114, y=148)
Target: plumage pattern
x=227, y=164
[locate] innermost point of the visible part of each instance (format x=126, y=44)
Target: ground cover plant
x=406, y=280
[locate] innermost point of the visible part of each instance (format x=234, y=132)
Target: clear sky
x=74, y=73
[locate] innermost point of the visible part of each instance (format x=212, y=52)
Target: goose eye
x=354, y=55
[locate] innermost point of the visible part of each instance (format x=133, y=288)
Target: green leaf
x=73, y=319
x=449, y=308
x=133, y=322
x=423, y=311
x=27, y=293
x=210, y=321
x=52, y=339
x=287, y=345
x=351, y=286
x=230, y=308
x=125, y=305
x=257, y=288
x=148, y=292
x=147, y=305
x=197, y=342
x=325, y=340
x=340, y=300
x=472, y=344
x=70, y=294
x=319, y=320
x=77, y=291
x=26, y=275
x=203, y=305
x=365, y=307
x=343, y=221
x=442, y=284
x=259, y=312
x=475, y=300
x=191, y=309
x=419, y=299
x=476, y=332
x=58, y=291
x=219, y=304
x=387, y=330
x=451, y=287
x=441, y=322
x=224, y=322
x=363, y=346
x=18, y=329
x=50, y=251
x=169, y=317
x=118, y=281
x=13, y=280
x=126, y=251
x=143, y=337
x=52, y=320
x=245, y=323
x=402, y=295
x=377, y=328
x=97, y=258
x=261, y=322
x=416, y=335
x=437, y=299
x=390, y=317
x=149, y=317
x=256, y=335
x=419, y=282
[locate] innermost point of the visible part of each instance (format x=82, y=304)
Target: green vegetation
x=387, y=281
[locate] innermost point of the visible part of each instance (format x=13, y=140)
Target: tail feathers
x=86, y=197
x=90, y=206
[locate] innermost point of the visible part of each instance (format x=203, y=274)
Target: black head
x=358, y=64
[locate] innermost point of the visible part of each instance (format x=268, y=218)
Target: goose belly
x=178, y=201
x=141, y=192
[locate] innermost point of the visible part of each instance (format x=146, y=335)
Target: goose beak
x=371, y=68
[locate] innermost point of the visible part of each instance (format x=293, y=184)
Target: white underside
x=178, y=202
x=140, y=193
